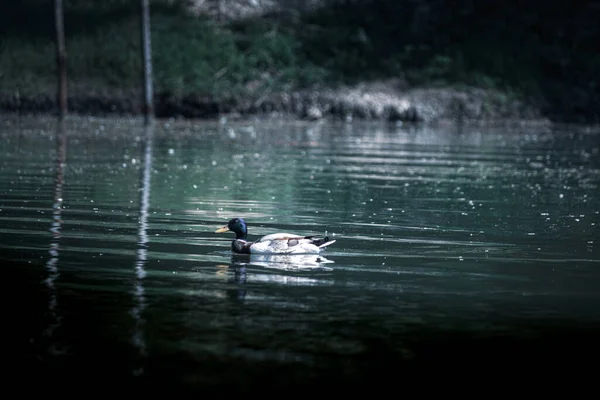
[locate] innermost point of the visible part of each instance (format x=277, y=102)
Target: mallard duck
x=276, y=243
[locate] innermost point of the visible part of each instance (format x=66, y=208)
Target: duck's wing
x=279, y=236
x=286, y=243
x=276, y=244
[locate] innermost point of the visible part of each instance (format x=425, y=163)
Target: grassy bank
x=543, y=55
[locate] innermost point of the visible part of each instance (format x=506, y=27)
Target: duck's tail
x=320, y=242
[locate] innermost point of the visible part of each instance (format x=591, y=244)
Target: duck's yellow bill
x=223, y=229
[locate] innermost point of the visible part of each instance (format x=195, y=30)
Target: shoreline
x=375, y=101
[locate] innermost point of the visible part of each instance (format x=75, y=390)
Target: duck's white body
x=286, y=243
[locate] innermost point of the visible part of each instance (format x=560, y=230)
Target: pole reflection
x=52, y=272
x=139, y=299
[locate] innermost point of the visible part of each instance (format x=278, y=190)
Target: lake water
x=454, y=244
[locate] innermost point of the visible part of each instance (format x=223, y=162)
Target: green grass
x=190, y=56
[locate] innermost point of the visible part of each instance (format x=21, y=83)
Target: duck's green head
x=236, y=225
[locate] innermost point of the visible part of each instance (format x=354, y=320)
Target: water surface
x=447, y=238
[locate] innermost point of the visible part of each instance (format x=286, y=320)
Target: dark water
x=454, y=244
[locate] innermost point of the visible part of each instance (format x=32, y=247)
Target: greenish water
x=476, y=244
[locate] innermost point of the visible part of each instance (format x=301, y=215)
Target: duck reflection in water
x=236, y=271
x=236, y=275
x=294, y=262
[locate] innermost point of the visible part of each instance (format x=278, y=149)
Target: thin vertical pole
x=148, y=107
x=61, y=58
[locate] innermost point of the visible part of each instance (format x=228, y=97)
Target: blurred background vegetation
x=543, y=52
